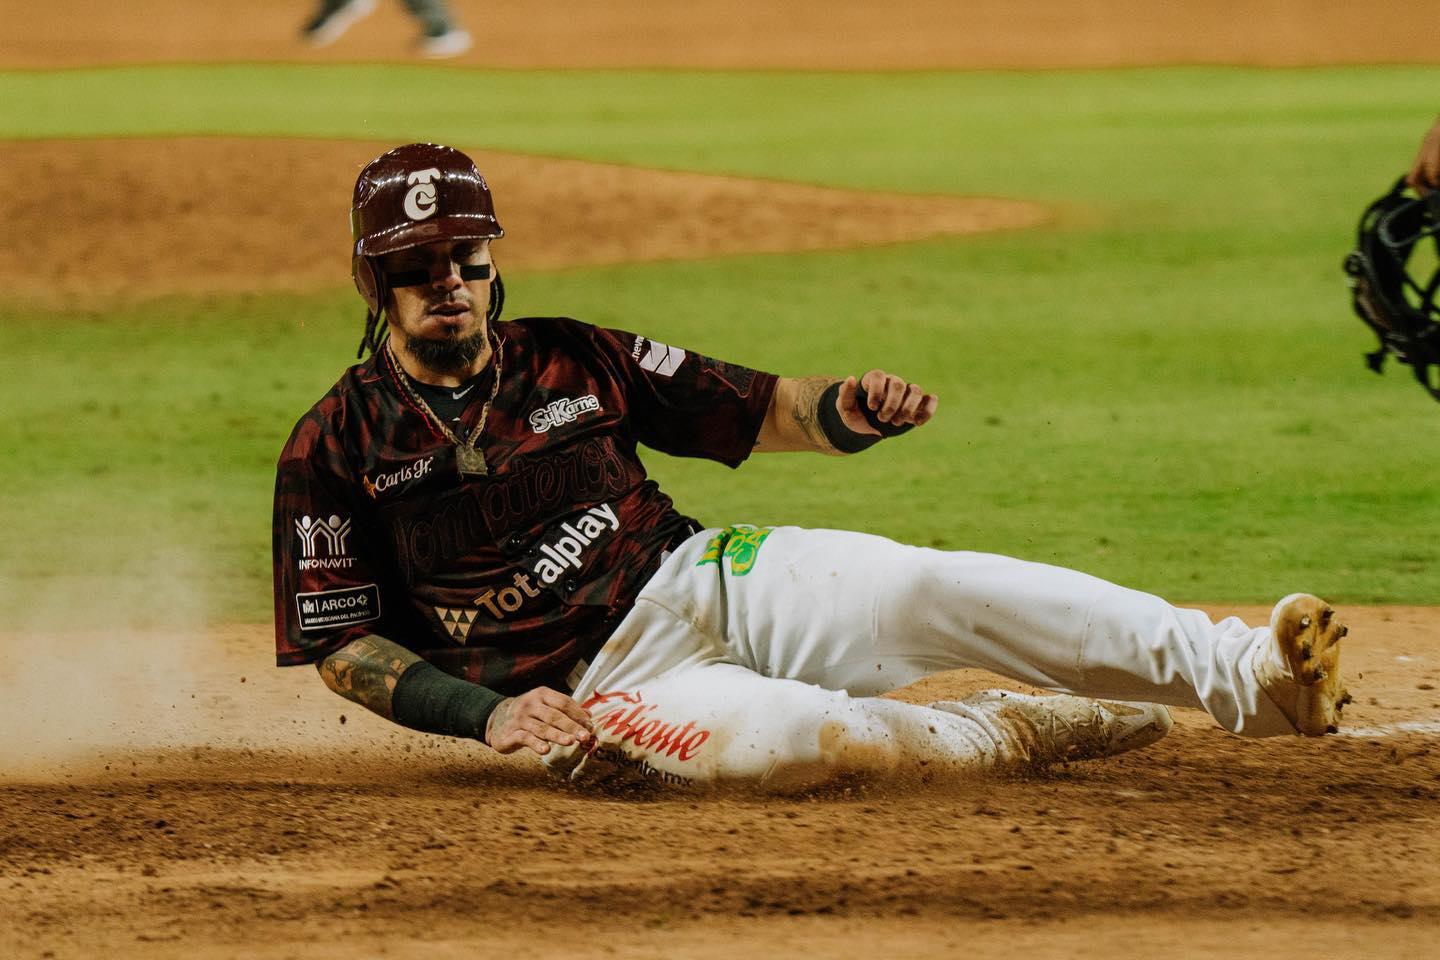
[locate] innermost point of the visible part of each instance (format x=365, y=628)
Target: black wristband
x=841, y=437
x=834, y=428
x=428, y=699
x=872, y=417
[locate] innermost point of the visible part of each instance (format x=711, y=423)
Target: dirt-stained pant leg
x=754, y=654
x=671, y=708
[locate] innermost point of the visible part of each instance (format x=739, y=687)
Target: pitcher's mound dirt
x=136, y=218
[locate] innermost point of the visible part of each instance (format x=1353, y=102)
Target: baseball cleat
x=334, y=19
x=451, y=43
x=1300, y=670
x=1062, y=728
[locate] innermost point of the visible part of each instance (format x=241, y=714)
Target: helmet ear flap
x=369, y=282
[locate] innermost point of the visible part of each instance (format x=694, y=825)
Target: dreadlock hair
x=375, y=330
x=377, y=327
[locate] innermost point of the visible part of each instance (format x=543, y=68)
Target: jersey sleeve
x=327, y=591
x=685, y=403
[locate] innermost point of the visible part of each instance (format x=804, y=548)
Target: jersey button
x=571, y=586
x=515, y=543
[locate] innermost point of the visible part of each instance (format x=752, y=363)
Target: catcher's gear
x=1400, y=308
x=416, y=194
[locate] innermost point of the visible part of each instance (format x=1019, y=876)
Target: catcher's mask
x=416, y=194
x=1400, y=308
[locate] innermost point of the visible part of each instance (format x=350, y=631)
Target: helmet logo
x=420, y=202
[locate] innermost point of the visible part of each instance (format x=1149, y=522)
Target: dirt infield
x=224, y=808
x=199, y=234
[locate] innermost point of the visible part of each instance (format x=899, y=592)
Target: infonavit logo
x=322, y=542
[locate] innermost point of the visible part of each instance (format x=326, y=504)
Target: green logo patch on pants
x=741, y=543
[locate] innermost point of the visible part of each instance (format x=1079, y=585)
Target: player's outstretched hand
x=891, y=400
x=1425, y=171
x=537, y=719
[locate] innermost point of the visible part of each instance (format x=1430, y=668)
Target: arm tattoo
x=806, y=410
x=366, y=670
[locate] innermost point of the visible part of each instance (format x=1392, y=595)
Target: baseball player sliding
x=466, y=543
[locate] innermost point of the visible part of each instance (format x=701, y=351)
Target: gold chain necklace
x=469, y=458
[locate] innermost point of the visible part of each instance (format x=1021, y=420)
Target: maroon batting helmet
x=412, y=195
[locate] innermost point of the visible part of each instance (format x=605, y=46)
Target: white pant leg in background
x=859, y=614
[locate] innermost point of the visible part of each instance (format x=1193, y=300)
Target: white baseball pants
x=755, y=655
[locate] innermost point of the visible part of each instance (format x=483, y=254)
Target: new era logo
x=662, y=360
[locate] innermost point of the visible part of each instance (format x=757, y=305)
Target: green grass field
x=1165, y=388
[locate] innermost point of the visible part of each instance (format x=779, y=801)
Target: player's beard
x=449, y=354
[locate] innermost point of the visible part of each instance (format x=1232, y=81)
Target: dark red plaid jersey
x=511, y=578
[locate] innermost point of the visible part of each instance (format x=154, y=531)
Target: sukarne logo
x=388, y=481
x=624, y=717
x=559, y=412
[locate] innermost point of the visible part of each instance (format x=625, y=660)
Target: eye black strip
x=418, y=278
x=408, y=278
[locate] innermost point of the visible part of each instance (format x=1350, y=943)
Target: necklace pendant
x=470, y=461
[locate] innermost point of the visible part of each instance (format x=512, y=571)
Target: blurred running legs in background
x=439, y=36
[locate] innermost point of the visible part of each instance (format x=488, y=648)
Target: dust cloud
x=90, y=685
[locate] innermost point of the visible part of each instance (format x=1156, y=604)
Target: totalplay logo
x=564, y=552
